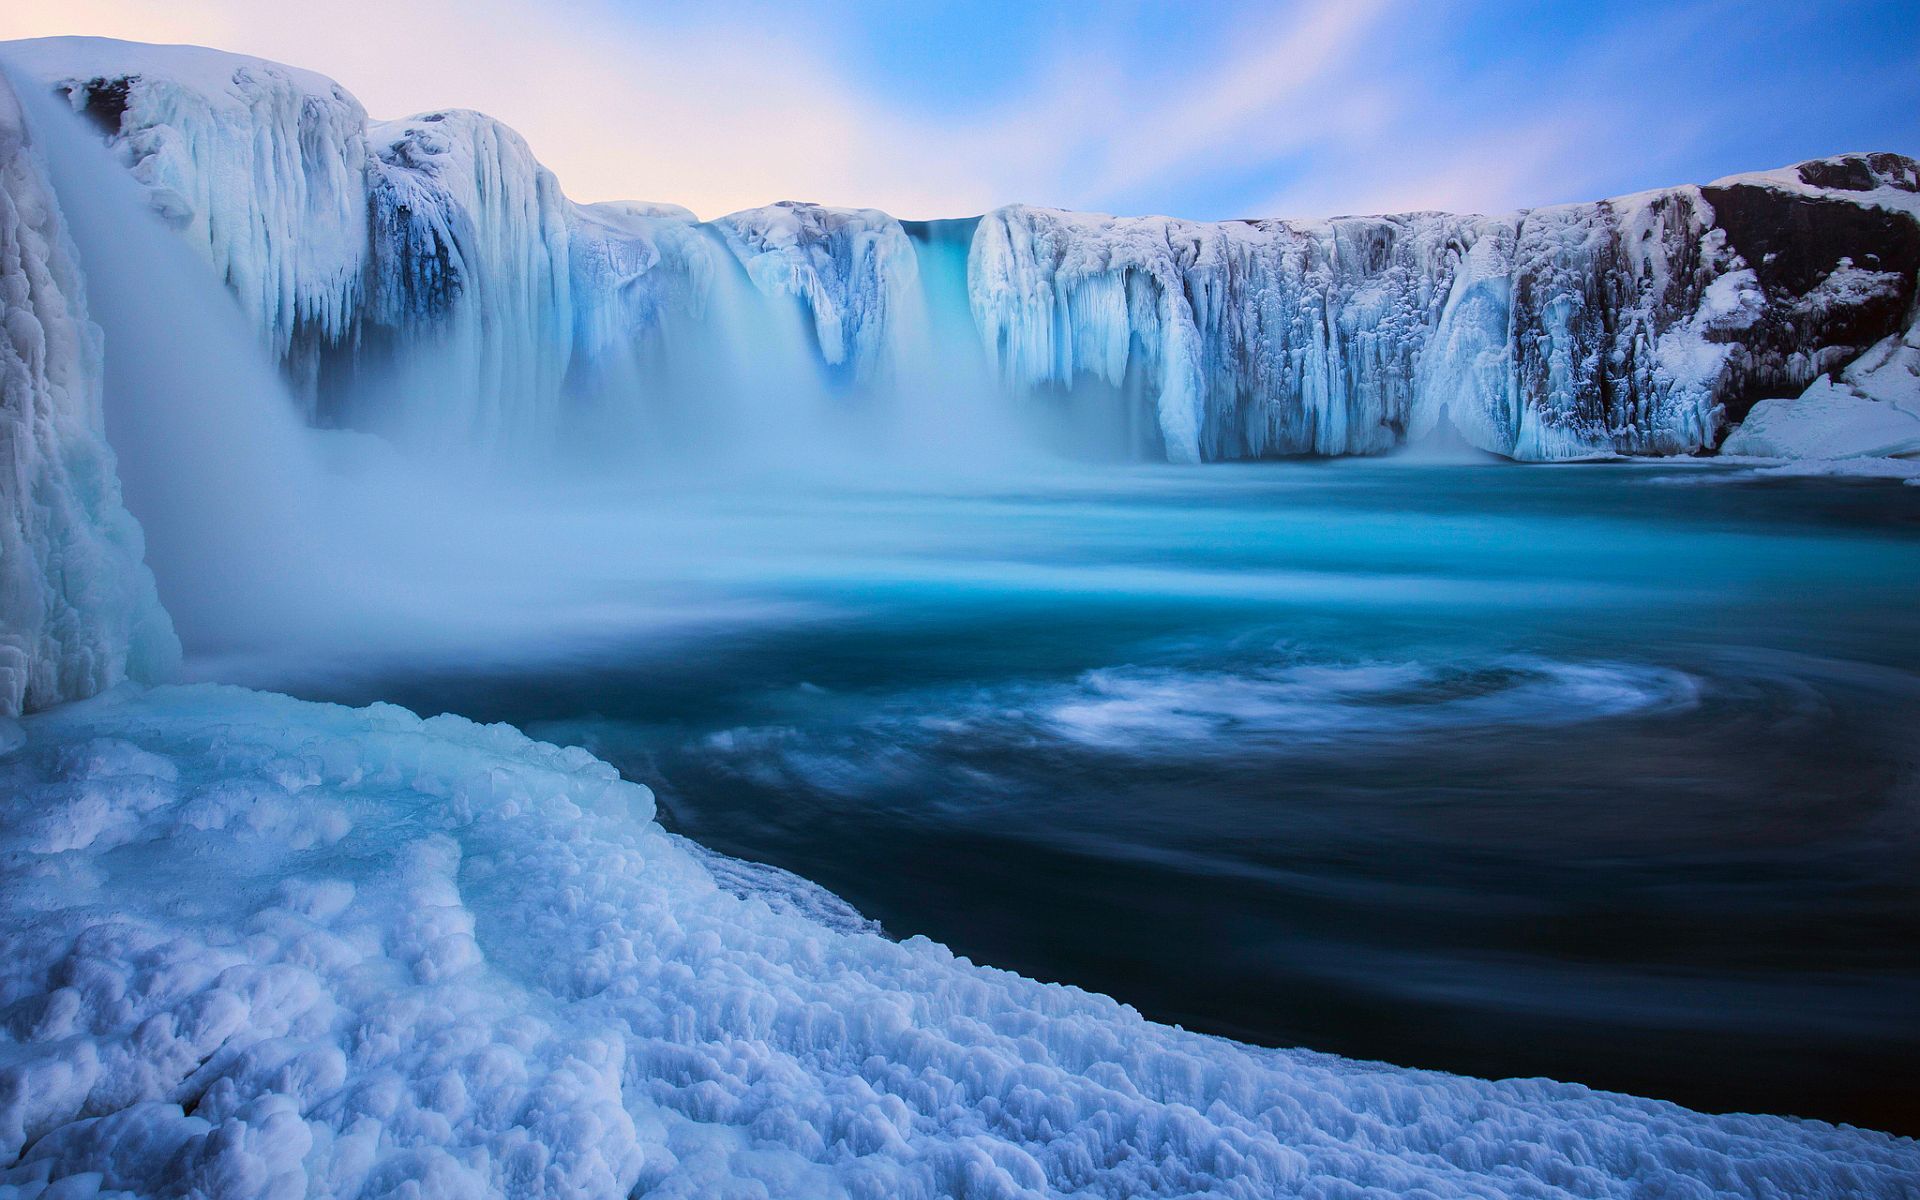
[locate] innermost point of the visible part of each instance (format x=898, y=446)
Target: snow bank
x=78, y=610
x=254, y=946
x=1872, y=409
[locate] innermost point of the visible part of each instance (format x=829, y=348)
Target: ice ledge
x=266, y=947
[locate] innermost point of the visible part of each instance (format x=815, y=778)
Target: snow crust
x=78, y=609
x=259, y=947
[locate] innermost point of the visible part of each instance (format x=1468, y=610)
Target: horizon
x=1317, y=109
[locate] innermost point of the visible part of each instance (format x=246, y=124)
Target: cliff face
x=427, y=277
x=78, y=610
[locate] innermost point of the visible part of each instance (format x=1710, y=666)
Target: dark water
x=1602, y=773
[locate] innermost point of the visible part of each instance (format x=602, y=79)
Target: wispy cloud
x=1309, y=107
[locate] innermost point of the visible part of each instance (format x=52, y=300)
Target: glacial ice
x=264, y=947
x=373, y=258
x=78, y=608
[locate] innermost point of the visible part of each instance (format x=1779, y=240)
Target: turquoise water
x=1606, y=773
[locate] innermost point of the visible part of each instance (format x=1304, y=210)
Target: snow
x=1883, y=180
x=78, y=609
x=254, y=946
x=1872, y=410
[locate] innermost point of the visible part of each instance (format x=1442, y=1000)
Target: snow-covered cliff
x=427, y=277
x=262, y=166
x=78, y=610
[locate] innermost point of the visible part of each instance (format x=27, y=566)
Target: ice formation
x=854, y=268
x=262, y=166
x=427, y=276
x=254, y=946
x=1630, y=326
x=78, y=609
x=1870, y=409
x=471, y=278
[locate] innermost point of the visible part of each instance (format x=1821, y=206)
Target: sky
x=1200, y=110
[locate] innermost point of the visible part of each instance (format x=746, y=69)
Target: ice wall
x=262, y=166
x=413, y=277
x=469, y=286
x=78, y=610
x=427, y=279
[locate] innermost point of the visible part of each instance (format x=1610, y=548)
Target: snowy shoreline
x=291, y=949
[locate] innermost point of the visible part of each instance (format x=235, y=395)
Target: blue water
x=1605, y=773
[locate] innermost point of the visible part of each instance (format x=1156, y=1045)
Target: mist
x=687, y=474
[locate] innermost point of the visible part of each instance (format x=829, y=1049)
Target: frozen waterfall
x=426, y=279
x=78, y=609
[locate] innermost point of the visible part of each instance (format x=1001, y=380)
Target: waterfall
x=213, y=458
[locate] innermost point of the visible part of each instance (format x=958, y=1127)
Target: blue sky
x=1292, y=109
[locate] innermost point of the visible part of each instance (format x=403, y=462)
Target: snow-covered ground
x=254, y=946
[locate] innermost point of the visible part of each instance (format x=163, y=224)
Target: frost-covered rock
x=469, y=284
x=256, y=947
x=636, y=268
x=413, y=276
x=78, y=610
x=427, y=276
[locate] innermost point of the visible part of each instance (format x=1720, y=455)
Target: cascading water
x=747, y=371
x=214, y=460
